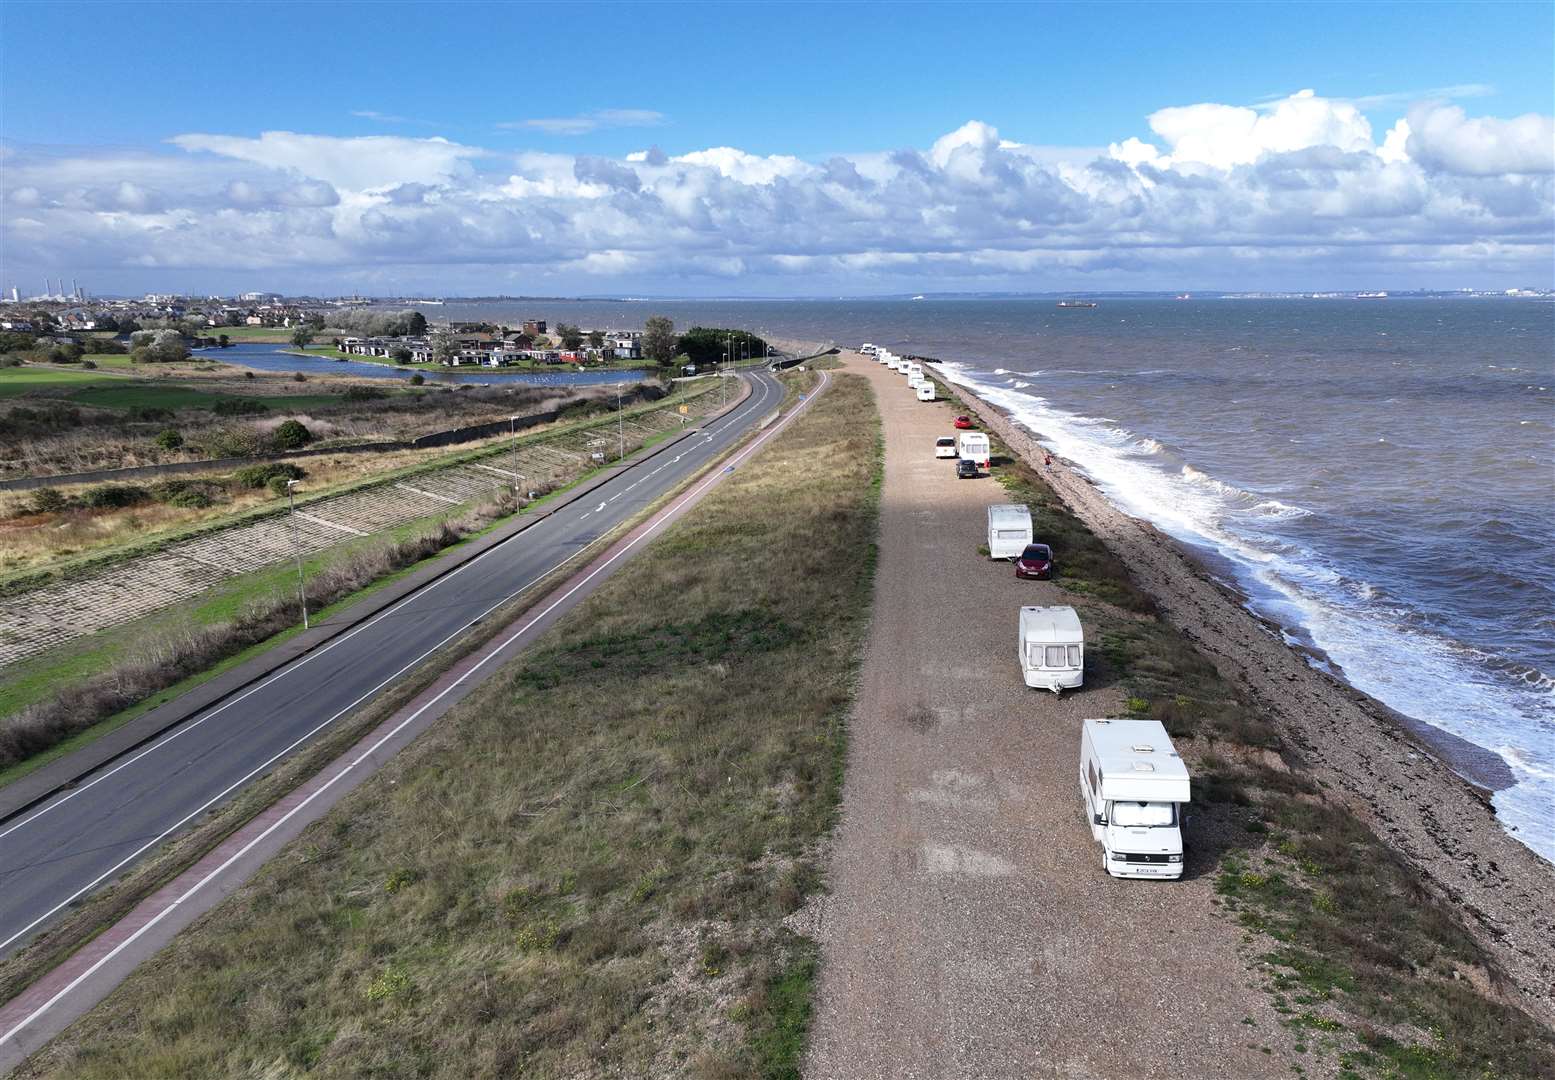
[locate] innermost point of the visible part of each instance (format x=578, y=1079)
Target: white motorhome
x=867, y=349
x=973, y=446
x=891, y=363
x=1051, y=648
x=1009, y=530
x=925, y=390
x=1135, y=787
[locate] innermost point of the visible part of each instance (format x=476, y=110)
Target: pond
x=281, y=358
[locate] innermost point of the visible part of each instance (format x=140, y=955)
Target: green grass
x=28, y=379
x=581, y=881
x=148, y=395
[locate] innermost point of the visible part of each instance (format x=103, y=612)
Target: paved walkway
x=43, y=618
x=971, y=931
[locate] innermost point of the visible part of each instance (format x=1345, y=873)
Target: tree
x=445, y=347
x=659, y=340
x=302, y=337
x=223, y=340
x=571, y=337
x=415, y=324
x=711, y=344
x=417, y=379
x=292, y=435
x=596, y=339
x=399, y=354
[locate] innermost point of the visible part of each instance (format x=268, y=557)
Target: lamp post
x=620, y=424
x=302, y=595
x=513, y=434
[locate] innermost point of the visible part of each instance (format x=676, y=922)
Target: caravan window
x=1055, y=656
x=1137, y=815
x=1074, y=656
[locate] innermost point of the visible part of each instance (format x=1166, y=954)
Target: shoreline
x=1424, y=791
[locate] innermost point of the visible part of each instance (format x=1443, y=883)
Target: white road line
x=197, y=886
x=282, y=673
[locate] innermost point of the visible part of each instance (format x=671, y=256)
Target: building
x=533, y=327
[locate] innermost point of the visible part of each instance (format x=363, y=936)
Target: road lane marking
x=303, y=738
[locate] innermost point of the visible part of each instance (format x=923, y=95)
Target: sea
x=1375, y=476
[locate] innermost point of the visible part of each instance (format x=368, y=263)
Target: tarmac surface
x=64, y=848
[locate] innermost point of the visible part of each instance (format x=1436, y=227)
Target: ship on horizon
x=1077, y=303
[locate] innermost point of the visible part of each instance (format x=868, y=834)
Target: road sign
x=684, y=409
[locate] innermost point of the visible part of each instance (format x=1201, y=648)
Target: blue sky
x=525, y=86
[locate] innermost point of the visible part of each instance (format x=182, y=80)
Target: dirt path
x=971, y=931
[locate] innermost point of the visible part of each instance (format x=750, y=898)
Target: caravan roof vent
x=1143, y=766
x=1143, y=748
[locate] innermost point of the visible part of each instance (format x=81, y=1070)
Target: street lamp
x=513, y=433
x=302, y=595
x=620, y=423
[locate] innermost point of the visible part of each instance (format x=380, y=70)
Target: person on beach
x=1047, y=459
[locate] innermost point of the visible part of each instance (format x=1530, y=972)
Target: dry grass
x=583, y=869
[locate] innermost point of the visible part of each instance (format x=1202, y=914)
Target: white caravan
x=914, y=369
x=1009, y=530
x=1135, y=787
x=915, y=379
x=891, y=362
x=1052, y=648
x=925, y=390
x=867, y=349
x=973, y=446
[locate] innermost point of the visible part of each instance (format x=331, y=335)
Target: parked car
x=945, y=446
x=1035, y=562
x=963, y=422
x=966, y=469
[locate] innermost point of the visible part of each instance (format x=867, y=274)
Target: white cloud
x=587, y=122
x=1215, y=193
x=1442, y=137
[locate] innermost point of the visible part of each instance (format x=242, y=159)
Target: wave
x=1020, y=385
x=1382, y=647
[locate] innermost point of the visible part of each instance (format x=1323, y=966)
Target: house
x=625, y=347
x=533, y=327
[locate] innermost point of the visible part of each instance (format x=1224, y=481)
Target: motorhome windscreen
x=1138, y=815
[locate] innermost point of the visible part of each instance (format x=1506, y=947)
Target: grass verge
x=1378, y=976
x=568, y=875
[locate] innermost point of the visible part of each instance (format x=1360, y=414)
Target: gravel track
x=970, y=930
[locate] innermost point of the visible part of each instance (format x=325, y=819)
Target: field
x=584, y=869
x=16, y=381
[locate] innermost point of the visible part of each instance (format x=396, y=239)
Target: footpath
x=970, y=930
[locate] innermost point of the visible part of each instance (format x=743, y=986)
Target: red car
x=963, y=422
x=1035, y=562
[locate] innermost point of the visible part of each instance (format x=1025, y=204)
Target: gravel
x=970, y=930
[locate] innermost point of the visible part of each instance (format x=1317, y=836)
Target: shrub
x=242, y=441
x=298, y=376
x=115, y=496
x=362, y=393
x=417, y=379
x=48, y=500
x=278, y=485
x=189, y=494
x=169, y=439
x=147, y=414
x=89, y=364
x=248, y=374
x=258, y=476
x=240, y=407
x=292, y=435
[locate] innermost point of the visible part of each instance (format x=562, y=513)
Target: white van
x=867, y=349
x=1135, y=787
x=945, y=446
x=1052, y=648
x=1009, y=530
x=973, y=446
x=925, y=390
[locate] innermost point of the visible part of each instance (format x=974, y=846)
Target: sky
x=775, y=149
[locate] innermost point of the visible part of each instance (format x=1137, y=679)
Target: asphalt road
x=80, y=839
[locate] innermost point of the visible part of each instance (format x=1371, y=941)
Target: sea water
x=1378, y=476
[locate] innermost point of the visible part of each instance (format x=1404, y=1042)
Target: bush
x=258, y=476
x=238, y=441
x=48, y=501
x=417, y=379
x=362, y=393
x=248, y=374
x=278, y=485
x=115, y=496
x=169, y=439
x=89, y=364
x=298, y=376
x=240, y=407
x=148, y=414
x=292, y=435
x=189, y=494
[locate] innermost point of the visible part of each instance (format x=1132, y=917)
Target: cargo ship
x=1077, y=303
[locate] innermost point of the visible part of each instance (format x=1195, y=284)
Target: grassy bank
x=584, y=868
x=1377, y=975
